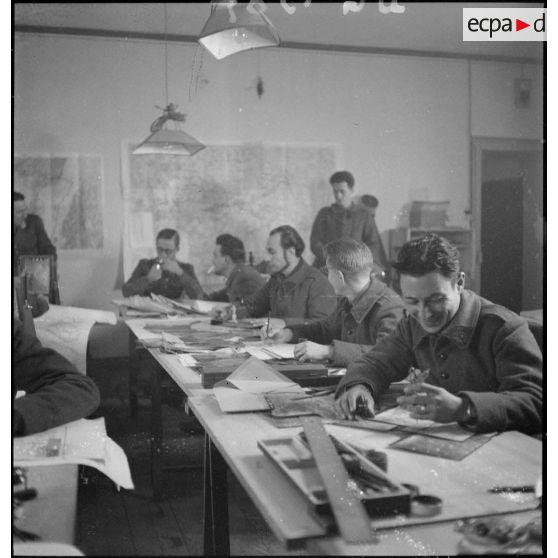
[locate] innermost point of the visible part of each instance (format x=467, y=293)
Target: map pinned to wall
x=245, y=190
x=66, y=192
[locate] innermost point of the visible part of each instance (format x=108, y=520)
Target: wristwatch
x=470, y=414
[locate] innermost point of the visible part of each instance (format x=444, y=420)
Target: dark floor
x=130, y=522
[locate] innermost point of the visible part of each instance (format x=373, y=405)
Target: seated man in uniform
x=229, y=259
x=367, y=311
x=296, y=292
x=485, y=365
x=55, y=392
x=164, y=275
x=30, y=237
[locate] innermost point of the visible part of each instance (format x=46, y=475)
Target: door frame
x=478, y=146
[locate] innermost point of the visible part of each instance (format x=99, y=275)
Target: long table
x=509, y=458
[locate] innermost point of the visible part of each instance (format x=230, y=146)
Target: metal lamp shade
x=250, y=30
x=169, y=142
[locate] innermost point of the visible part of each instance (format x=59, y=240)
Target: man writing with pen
x=366, y=312
x=485, y=364
x=296, y=292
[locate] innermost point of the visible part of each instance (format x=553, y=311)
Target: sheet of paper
x=257, y=352
x=69, y=338
x=144, y=304
x=400, y=417
x=451, y=431
x=232, y=400
x=83, y=442
x=173, y=340
x=75, y=314
x=66, y=330
x=255, y=376
x=280, y=350
x=187, y=360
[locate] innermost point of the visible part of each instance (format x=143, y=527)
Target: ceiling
x=431, y=27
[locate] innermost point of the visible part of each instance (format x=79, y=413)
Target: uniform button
x=444, y=375
x=442, y=356
x=349, y=332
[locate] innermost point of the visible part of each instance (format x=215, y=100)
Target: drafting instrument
x=425, y=505
x=511, y=489
x=318, y=393
x=350, y=515
x=417, y=377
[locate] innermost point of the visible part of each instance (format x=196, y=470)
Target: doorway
x=509, y=222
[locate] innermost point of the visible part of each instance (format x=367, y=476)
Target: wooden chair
x=22, y=308
x=41, y=274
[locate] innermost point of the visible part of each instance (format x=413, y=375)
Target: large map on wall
x=66, y=191
x=244, y=190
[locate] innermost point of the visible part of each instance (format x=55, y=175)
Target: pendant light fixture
x=234, y=27
x=165, y=141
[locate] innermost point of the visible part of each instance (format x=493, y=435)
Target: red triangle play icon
x=519, y=25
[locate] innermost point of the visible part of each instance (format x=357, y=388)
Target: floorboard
x=130, y=523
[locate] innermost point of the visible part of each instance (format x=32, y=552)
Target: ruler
x=350, y=515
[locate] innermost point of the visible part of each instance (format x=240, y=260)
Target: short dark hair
x=343, y=176
x=169, y=234
x=349, y=256
x=290, y=239
x=369, y=201
x=232, y=247
x=426, y=254
x=16, y=196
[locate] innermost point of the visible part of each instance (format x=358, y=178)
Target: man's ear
x=290, y=252
x=460, y=280
x=340, y=276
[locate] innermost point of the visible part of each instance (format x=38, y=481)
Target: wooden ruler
x=350, y=515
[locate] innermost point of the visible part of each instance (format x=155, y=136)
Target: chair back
x=41, y=275
x=537, y=329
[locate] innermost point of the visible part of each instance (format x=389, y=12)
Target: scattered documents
x=83, y=442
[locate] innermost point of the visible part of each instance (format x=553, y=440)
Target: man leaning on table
x=485, y=365
x=296, y=291
x=367, y=311
x=164, y=275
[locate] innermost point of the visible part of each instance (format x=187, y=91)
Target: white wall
x=402, y=122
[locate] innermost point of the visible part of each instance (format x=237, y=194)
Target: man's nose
x=425, y=311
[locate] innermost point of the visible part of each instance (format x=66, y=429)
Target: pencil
x=267, y=325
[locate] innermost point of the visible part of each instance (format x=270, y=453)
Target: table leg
x=156, y=430
x=216, y=541
x=133, y=371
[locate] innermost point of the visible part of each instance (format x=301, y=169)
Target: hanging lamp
x=165, y=141
x=234, y=27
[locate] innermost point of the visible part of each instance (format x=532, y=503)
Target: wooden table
x=52, y=515
x=231, y=439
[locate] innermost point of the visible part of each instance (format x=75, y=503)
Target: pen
x=510, y=489
x=267, y=325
